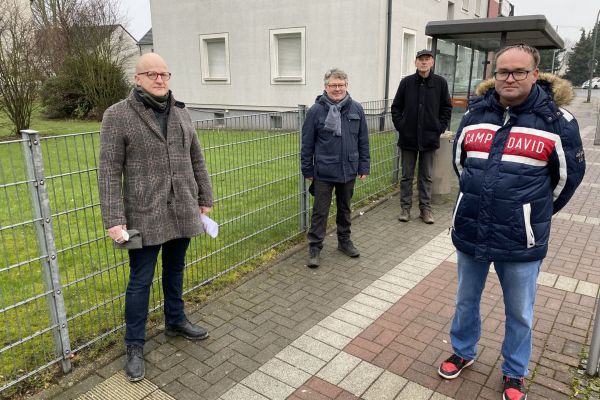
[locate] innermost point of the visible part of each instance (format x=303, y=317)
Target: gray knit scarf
x=157, y=103
x=333, y=121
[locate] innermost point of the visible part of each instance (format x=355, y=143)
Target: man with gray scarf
x=335, y=150
x=153, y=181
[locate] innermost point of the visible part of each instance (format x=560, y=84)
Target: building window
x=477, y=8
x=287, y=55
x=214, y=55
x=465, y=5
x=408, y=52
x=450, y=15
x=276, y=122
x=219, y=119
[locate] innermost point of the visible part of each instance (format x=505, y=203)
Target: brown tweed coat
x=150, y=183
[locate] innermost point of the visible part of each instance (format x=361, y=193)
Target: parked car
x=595, y=83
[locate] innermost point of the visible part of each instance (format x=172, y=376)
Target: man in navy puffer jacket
x=519, y=159
x=335, y=151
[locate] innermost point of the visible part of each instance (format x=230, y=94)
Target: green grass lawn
x=47, y=126
x=256, y=183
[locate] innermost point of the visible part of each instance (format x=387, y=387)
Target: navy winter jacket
x=331, y=158
x=517, y=167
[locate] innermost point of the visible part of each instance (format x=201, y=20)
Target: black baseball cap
x=424, y=52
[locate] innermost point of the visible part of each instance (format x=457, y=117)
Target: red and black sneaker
x=514, y=388
x=452, y=367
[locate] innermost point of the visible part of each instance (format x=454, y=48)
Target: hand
x=205, y=210
x=116, y=233
x=310, y=178
x=362, y=177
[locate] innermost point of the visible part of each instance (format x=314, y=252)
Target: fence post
x=303, y=189
x=597, y=136
x=397, y=163
x=383, y=115
x=594, y=354
x=45, y=238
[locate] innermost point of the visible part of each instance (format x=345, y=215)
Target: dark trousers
x=323, y=193
x=424, y=183
x=142, y=263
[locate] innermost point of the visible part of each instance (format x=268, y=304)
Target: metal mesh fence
x=62, y=284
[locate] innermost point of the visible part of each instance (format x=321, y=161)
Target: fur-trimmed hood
x=560, y=89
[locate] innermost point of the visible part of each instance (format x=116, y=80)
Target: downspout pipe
x=388, y=48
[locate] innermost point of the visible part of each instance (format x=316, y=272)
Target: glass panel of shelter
x=464, y=67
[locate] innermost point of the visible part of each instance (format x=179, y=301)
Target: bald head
x=149, y=60
x=152, y=62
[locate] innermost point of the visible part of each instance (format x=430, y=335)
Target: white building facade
x=238, y=56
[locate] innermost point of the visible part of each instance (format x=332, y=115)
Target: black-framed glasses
x=519, y=75
x=165, y=76
x=339, y=86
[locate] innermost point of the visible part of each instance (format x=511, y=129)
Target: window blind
x=289, y=52
x=217, y=66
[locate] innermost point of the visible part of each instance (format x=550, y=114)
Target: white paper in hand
x=210, y=226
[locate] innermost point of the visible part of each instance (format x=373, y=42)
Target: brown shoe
x=404, y=215
x=426, y=216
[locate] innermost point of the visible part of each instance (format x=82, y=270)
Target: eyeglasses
x=165, y=76
x=519, y=75
x=336, y=86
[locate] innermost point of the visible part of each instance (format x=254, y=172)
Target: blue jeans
x=142, y=263
x=518, y=281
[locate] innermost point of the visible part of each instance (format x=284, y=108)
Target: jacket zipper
x=528, y=228
x=506, y=116
x=460, y=195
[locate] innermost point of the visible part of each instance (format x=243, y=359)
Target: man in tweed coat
x=152, y=179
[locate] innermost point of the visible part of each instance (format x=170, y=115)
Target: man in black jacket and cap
x=421, y=113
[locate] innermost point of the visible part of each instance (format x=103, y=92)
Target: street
x=579, y=92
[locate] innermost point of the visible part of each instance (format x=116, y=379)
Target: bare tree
x=102, y=53
x=83, y=36
x=19, y=71
x=53, y=20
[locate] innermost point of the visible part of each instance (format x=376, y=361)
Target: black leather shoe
x=348, y=249
x=314, y=257
x=186, y=329
x=134, y=368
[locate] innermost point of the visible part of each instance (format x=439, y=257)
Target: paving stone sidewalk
x=376, y=327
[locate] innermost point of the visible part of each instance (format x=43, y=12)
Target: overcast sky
x=568, y=15
x=137, y=15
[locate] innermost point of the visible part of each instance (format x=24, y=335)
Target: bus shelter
x=464, y=50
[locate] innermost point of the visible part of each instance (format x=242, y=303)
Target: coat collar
x=322, y=101
x=560, y=90
x=147, y=114
x=428, y=81
x=538, y=102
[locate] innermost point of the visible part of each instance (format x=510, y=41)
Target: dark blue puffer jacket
x=331, y=158
x=517, y=167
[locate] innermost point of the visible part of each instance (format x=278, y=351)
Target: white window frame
x=465, y=5
x=204, y=40
x=477, y=8
x=408, y=57
x=274, y=35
